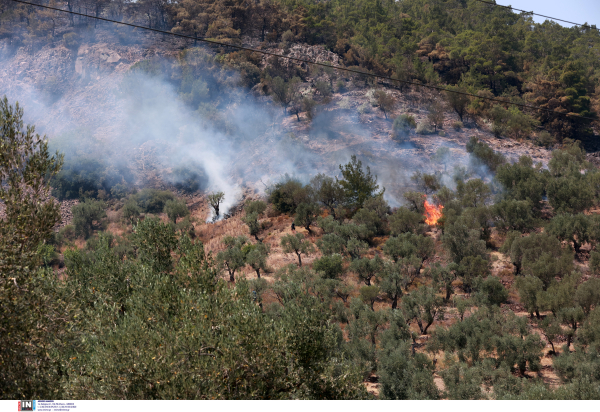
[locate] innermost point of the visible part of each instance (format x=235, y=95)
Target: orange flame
x=432, y=212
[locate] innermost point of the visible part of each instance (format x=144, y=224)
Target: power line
x=297, y=59
x=536, y=14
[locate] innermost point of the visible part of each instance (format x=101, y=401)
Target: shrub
x=152, y=200
x=131, y=210
x=545, y=139
x=88, y=216
x=71, y=40
x=424, y=128
x=457, y=126
x=288, y=194
x=402, y=126
x=175, y=209
x=330, y=267
x=323, y=88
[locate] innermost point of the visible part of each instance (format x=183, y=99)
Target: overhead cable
x=306, y=61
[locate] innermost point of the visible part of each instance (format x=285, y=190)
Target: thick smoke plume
x=137, y=120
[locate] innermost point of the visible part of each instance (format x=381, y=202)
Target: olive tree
x=296, y=244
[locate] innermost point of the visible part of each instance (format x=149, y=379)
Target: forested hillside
x=200, y=222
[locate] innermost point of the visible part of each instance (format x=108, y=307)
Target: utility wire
x=536, y=14
x=296, y=59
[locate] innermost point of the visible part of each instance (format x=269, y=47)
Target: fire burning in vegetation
x=432, y=213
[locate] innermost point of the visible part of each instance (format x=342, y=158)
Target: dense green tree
x=329, y=266
x=32, y=316
x=404, y=220
x=367, y=269
x=287, y=194
x=306, y=215
x=253, y=211
x=359, y=185
x=423, y=306
x=328, y=192
x=176, y=209
x=87, y=216
x=154, y=241
x=256, y=256
x=232, y=258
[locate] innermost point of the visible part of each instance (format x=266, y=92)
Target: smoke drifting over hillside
x=229, y=141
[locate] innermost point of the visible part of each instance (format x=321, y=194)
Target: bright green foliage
x=170, y=324
x=476, y=338
x=176, y=209
x=423, y=306
x=87, y=216
x=373, y=215
x=443, y=276
x=525, y=251
x=306, y=214
x=408, y=244
x=359, y=185
x=296, y=244
x=329, y=266
x=232, y=258
x=367, y=269
x=568, y=189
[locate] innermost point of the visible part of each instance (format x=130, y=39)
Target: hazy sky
x=578, y=11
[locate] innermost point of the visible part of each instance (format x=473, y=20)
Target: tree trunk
x=299, y=260
x=537, y=313
x=395, y=302
x=231, y=276
x=258, y=272
x=298, y=116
